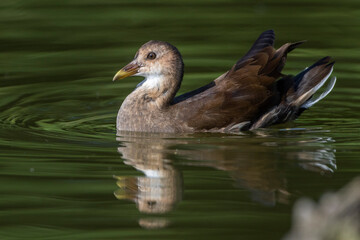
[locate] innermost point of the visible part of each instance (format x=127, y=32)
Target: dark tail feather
x=295, y=45
x=281, y=54
x=265, y=39
x=297, y=93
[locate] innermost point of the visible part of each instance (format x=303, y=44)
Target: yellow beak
x=127, y=71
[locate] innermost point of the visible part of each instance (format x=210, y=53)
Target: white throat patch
x=153, y=76
x=152, y=82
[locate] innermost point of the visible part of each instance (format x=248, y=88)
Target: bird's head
x=157, y=61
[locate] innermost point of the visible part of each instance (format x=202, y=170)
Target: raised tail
x=296, y=93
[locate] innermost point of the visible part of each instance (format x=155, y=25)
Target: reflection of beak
x=127, y=71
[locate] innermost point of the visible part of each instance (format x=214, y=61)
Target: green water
x=65, y=175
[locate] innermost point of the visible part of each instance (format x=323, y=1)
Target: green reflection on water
x=59, y=157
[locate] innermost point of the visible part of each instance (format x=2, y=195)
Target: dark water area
x=66, y=174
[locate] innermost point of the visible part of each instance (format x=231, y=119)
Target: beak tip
x=128, y=70
x=117, y=76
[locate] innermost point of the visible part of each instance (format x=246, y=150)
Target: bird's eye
x=151, y=56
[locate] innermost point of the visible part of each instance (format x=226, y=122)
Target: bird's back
x=253, y=88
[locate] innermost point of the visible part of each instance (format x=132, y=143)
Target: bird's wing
x=239, y=94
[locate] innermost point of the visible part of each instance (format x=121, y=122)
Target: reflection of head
x=151, y=194
x=158, y=195
x=161, y=187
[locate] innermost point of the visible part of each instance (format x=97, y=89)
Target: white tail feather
x=328, y=89
x=300, y=101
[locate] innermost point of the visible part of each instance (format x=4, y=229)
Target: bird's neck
x=159, y=90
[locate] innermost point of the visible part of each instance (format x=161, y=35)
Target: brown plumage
x=252, y=94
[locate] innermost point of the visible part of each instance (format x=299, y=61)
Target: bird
x=253, y=94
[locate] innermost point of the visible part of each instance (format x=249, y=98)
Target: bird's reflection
x=258, y=162
x=161, y=187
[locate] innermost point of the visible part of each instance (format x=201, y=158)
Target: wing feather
x=240, y=94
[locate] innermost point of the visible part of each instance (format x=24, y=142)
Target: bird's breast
x=142, y=114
